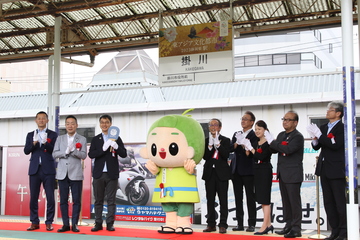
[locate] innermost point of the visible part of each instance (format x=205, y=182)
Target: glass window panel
x=293, y=58
x=251, y=61
x=279, y=59
x=265, y=60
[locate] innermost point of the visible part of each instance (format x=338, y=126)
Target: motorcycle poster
x=135, y=189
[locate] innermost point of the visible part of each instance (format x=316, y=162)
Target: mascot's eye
x=153, y=149
x=173, y=149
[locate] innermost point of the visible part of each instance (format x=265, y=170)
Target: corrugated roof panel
x=114, y=11
x=85, y=14
x=27, y=23
x=100, y=31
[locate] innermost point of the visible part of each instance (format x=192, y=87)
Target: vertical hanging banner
x=195, y=54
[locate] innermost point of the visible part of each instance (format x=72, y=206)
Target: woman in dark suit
x=262, y=174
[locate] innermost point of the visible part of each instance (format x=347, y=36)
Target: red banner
x=17, y=186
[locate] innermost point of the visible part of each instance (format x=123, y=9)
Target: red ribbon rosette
x=332, y=137
x=78, y=146
x=161, y=185
x=48, y=140
x=284, y=143
x=259, y=150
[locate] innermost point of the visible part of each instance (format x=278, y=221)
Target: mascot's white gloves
x=248, y=145
x=310, y=130
x=239, y=138
x=151, y=166
x=316, y=131
x=269, y=138
x=211, y=139
x=36, y=136
x=114, y=145
x=44, y=138
x=189, y=165
x=216, y=139
x=106, y=145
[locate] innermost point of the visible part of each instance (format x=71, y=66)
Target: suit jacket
x=96, y=152
x=290, y=156
x=222, y=167
x=69, y=164
x=332, y=156
x=243, y=164
x=44, y=151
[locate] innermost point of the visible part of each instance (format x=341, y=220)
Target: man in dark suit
x=40, y=144
x=105, y=172
x=243, y=173
x=331, y=168
x=70, y=149
x=289, y=145
x=216, y=174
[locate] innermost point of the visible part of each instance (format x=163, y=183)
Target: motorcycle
x=131, y=186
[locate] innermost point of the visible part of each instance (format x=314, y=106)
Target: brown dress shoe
x=33, y=227
x=209, y=229
x=49, y=227
x=222, y=230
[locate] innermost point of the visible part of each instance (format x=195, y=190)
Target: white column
x=57, y=60
x=352, y=208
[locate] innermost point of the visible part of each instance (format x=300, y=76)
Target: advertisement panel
x=196, y=54
x=136, y=184
x=308, y=197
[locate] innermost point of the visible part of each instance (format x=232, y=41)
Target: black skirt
x=263, y=181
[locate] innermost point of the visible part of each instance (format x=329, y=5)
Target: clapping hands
x=239, y=138
x=314, y=130
x=247, y=144
x=269, y=138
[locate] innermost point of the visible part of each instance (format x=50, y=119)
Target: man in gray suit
x=70, y=149
x=289, y=145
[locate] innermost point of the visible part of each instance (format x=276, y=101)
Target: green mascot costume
x=175, y=144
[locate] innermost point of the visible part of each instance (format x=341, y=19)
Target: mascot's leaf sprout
x=187, y=111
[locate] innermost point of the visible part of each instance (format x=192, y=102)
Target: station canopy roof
x=95, y=26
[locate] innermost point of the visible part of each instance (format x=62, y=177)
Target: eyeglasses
x=245, y=119
x=213, y=125
x=288, y=119
x=331, y=110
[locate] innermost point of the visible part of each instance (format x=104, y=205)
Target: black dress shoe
x=292, y=234
x=285, y=230
x=222, y=230
x=110, y=227
x=64, y=228
x=238, y=228
x=209, y=229
x=332, y=236
x=74, y=228
x=250, y=229
x=97, y=227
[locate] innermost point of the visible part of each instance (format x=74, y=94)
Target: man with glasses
x=216, y=175
x=243, y=173
x=331, y=168
x=105, y=172
x=289, y=145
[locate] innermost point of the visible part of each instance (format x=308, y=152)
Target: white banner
x=308, y=197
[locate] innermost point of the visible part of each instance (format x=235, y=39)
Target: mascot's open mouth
x=162, y=155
